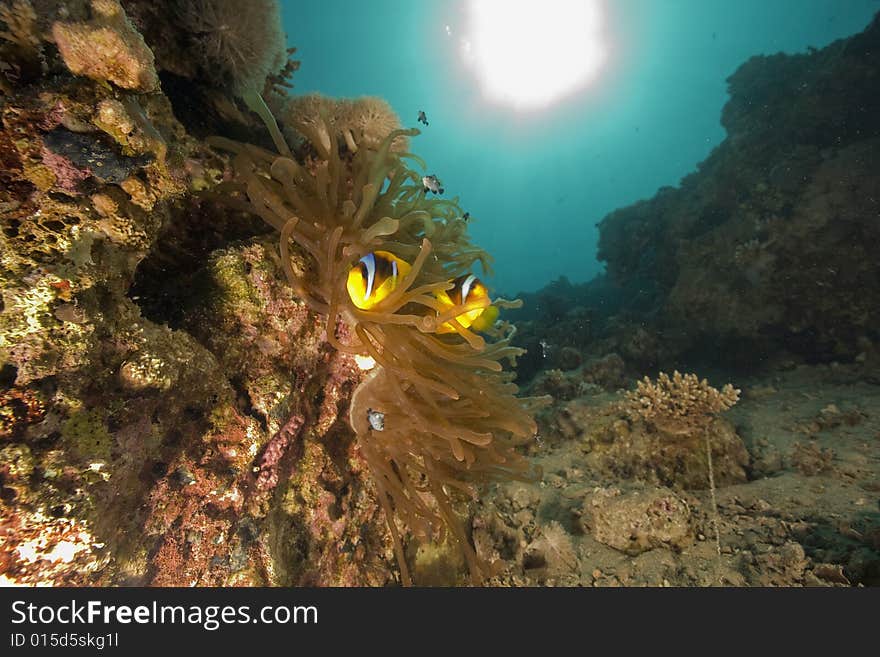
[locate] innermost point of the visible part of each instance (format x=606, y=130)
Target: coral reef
x=156, y=378
x=758, y=258
x=764, y=248
x=184, y=398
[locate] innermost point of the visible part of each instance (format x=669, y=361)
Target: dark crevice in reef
x=205, y=112
x=172, y=277
x=244, y=405
x=7, y=376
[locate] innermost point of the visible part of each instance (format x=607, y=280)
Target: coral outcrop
x=760, y=257
x=765, y=247
x=639, y=520
x=107, y=48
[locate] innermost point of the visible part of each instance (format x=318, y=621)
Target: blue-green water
x=537, y=183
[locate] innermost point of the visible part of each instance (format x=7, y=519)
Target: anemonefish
x=466, y=289
x=374, y=277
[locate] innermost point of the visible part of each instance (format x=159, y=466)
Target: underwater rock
x=557, y=384
x=639, y=520
x=620, y=448
x=780, y=566
x=678, y=461
x=85, y=156
x=764, y=247
x=569, y=359
x=811, y=459
x=609, y=372
x=107, y=48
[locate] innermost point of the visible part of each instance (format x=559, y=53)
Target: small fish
x=432, y=184
x=465, y=289
x=422, y=118
x=376, y=420
x=545, y=348
x=374, y=277
x=466, y=216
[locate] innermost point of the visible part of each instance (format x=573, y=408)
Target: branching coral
x=679, y=405
x=448, y=417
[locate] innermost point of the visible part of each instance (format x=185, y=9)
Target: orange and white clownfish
x=466, y=289
x=374, y=277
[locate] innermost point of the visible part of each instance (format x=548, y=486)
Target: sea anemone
x=357, y=122
x=367, y=121
x=237, y=48
x=438, y=414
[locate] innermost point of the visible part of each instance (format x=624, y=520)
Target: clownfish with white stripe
x=466, y=289
x=374, y=277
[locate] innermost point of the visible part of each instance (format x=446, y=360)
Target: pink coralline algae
x=269, y=463
x=67, y=176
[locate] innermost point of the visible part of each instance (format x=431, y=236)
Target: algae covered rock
x=107, y=48
x=639, y=520
x=679, y=461
x=619, y=447
x=168, y=414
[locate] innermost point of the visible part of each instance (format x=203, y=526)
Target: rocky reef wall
x=168, y=408
x=767, y=248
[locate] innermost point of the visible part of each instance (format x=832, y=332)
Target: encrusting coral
x=107, y=48
x=437, y=414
